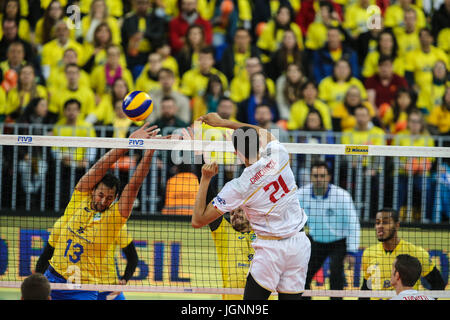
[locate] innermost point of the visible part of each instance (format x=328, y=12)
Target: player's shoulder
x=305, y=190
x=339, y=193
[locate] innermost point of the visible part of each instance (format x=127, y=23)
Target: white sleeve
x=353, y=225
x=228, y=198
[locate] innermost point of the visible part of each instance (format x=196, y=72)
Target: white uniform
x=411, y=295
x=267, y=193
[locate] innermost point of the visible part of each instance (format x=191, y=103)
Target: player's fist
x=210, y=170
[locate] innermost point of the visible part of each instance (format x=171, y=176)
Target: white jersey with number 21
x=267, y=192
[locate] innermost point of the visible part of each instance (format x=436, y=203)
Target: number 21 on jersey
x=276, y=186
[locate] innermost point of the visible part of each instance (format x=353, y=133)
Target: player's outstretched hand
x=145, y=132
x=213, y=119
x=210, y=170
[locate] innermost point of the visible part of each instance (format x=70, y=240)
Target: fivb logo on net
x=201, y=151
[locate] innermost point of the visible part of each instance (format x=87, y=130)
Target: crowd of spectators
x=366, y=68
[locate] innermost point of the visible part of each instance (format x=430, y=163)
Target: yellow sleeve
x=124, y=238
x=390, y=16
x=267, y=40
x=325, y=113
x=245, y=10
x=12, y=101
x=370, y=65
x=297, y=116
x=206, y=8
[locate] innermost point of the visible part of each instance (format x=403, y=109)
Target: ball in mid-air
x=137, y=105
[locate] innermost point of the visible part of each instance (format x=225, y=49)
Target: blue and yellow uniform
x=377, y=263
x=84, y=244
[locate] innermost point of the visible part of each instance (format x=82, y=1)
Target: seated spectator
x=443, y=41
x=57, y=78
x=308, y=102
x=408, y=37
x=179, y=25
x=99, y=13
x=420, y=63
x=95, y=51
x=382, y=87
x=115, y=7
x=234, y=58
x=289, y=87
x=367, y=42
x=168, y=61
x=356, y=16
x=332, y=89
x=73, y=90
x=10, y=35
x=103, y=76
x=12, y=10
x=273, y=32
x=428, y=100
x=334, y=50
x=26, y=90
x=307, y=13
x=187, y=56
x=53, y=51
x=169, y=89
x=441, y=18
x=140, y=31
x=240, y=85
x=259, y=94
x=168, y=118
x=387, y=47
x=439, y=119
x=2, y=104
x=194, y=81
x=148, y=79
x=9, y=68
x=316, y=35
x=210, y=99
x=394, y=116
x=288, y=52
x=36, y=112
x=264, y=119
x=394, y=16
x=344, y=113
x=415, y=135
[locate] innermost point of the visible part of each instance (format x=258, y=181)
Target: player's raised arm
x=204, y=213
x=214, y=120
x=98, y=170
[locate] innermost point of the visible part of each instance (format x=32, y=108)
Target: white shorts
x=281, y=265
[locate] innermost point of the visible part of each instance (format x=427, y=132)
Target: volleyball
x=137, y=105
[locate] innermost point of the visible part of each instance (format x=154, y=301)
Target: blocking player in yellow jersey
x=377, y=260
x=94, y=222
x=109, y=273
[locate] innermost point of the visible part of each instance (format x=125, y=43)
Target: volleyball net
x=39, y=174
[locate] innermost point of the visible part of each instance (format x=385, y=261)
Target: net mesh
x=40, y=173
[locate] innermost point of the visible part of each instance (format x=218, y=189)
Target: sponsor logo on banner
x=24, y=140
x=358, y=150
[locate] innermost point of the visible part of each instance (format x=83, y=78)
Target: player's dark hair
x=394, y=213
x=35, y=287
x=71, y=101
x=110, y=181
x=409, y=269
x=320, y=164
x=246, y=141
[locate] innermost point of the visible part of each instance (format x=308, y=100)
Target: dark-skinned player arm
x=203, y=214
x=132, y=261
x=43, y=261
x=435, y=280
x=99, y=169
x=214, y=120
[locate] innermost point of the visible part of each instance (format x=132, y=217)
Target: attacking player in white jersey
x=267, y=192
x=406, y=271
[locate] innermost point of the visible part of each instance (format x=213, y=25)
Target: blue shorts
x=53, y=277
x=108, y=295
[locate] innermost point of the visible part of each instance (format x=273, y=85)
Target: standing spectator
x=236, y=54
x=408, y=37
x=179, y=25
x=140, y=31
x=35, y=287
x=332, y=89
x=377, y=259
x=383, y=85
x=308, y=102
x=263, y=117
x=394, y=16
x=415, y=135
x=441, y=18
x=406, y=271
x=167, y=89
x=259, y=94
x=187, y=57
x=289, y=89
x=394, y=116
x=272, y=34
x=287, y=53
x=324, y=59
x=387, y=47
x=334, y=228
